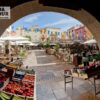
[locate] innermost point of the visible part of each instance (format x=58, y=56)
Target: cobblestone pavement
x=30, y=60
x=50, y=81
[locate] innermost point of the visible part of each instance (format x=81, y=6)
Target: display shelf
x=33, y=83
x=34, y=91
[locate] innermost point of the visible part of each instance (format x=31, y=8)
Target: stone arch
x=33, y=7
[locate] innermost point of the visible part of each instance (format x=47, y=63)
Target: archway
x=48, y=23
x=33, y=6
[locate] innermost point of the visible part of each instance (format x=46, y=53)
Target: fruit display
x=24, y=89
x=29, y=78
x=4, y=96
x=94, y=63
x=17, y=84
x=87, y=71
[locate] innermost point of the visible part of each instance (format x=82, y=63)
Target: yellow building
x=63, y=36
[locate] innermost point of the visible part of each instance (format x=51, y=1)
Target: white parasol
x=90, y=41
x=23, y=42
x=33, y=44
x=13, y=38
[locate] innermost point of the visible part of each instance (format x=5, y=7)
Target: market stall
x=86, y=73
x=17, y=84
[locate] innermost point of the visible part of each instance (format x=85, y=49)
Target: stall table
x=83, y=77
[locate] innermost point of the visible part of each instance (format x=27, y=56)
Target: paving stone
x=50, y=80
x=60, y=94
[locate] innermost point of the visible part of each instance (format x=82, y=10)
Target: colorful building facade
x=79, y=32
x=53, y=34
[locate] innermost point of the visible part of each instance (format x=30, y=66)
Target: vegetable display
x=4, y=96
x=29, y=78
x=23, y=88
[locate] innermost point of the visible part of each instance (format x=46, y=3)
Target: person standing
x=85, y=60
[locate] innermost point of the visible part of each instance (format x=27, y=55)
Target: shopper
x=85, y=60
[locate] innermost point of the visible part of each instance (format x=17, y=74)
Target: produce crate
x=29, y=78
x=15, y=97
x=22, y=97
x=5, y=96
x=30, y=85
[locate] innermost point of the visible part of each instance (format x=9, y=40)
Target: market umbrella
x=33, y=44
x=8, y=39
x=23, y=42
x=13, y=38
x=90, y=41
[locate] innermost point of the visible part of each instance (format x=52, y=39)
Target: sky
x=46, y=19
